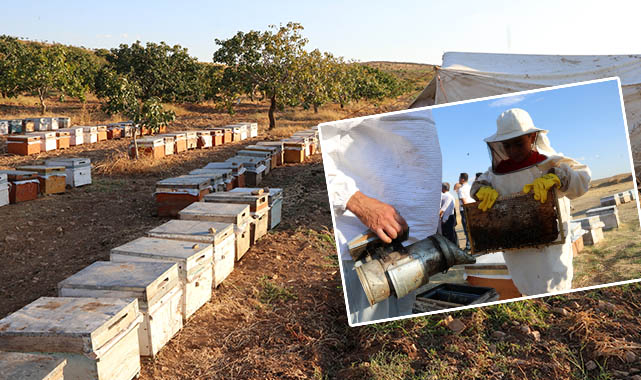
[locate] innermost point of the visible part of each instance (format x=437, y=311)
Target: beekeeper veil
x=513, y=123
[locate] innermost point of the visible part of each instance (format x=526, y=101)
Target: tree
x=123, y=98
x=12, y=56
x=316, y=77
x=168, y=73
x=265, y=62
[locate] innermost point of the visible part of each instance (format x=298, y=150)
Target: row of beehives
x=247, y=168
x=589, y=230
x=619, y=198
x=28, y=181
x=33, y=124
x=166, y=144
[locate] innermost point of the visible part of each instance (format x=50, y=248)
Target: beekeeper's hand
x=378, y=216
x=487, y=195
x=541, y=185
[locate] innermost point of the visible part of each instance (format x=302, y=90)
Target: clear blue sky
x=415, y=31
x=585, y=122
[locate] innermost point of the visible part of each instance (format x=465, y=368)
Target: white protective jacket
x=549, y=269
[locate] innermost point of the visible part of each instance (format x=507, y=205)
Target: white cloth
x=549, y=269
x=395, y=158
x=464, y=195
x=447, y=205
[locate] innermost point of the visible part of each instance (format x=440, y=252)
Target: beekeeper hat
x=513, y=123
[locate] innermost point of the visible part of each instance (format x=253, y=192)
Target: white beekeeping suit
x=396, y=159
x=548, y=269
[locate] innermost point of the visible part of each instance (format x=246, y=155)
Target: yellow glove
x=541, y=185
x=487, y=196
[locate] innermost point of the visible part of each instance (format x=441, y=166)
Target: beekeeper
x=383, y=172
x=524, y=161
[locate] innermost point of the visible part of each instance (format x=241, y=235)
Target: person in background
x=448, y=217
x=523, y=160
x=464, y=198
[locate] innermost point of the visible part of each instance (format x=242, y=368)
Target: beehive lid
x=246, y=198
x=193, y=230
x=45, y=135
x=203, y=133
x=184, y=182
x=189, y=134
x=262, y=148
x=255, y=153
x=223, y=173
x=89, y=129
x=79, y=325
x=73, y=130
x=101, y=127
x=19, y=365
x=215, y=209
x=278, y=144
x=23, y=138
x=43, y=169
x=149, y=140
x=229, y=164
x=602, y=210
x=61, y=132
x=3, y=177
x=69, y=162
x=19, y=175
x=149, y=281
x=274, y=193
x=177, y=135
x=188, y=255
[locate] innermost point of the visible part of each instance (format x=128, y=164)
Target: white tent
x=466, y=76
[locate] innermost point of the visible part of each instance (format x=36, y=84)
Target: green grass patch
x=386, y=365
x=270, y=292
x=106, y=185
x=530, y=312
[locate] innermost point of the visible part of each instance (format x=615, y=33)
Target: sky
x=405, y=31
x=585, y=122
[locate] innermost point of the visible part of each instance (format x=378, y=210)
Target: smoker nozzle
x=402, y=271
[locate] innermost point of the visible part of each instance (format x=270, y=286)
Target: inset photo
x=463, y=204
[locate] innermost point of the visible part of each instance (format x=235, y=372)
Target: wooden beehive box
x=4, y=127
x=48, y=140
x=220, y=235
x=102, y=132
x=307, y=140
x=275, y=156
x=23, y=366
x=15, y=126
x=254, y=169
x=194, y=265
x=170, y=144
x=275, y=201
x=4, y=189
x=23, y=145
x=156, y=286
x=78, y=170
x=180, y=141
x=256, y=202
x=41, y=124
x=90, y=134
x=280, y=149
x=227, y=134
x=76, y=135
x=221, y=179
x=609, y=215
x=447, y=296
x=237, y=214
x=253, y=129
x=293, y=151
x=610, y=200
x=23, y=186
x=153, y=147
x=266, y=156
x=191, y=139
x=63, y=139
x=515, y=221
x=217, y=136
x=64, y=122
x=174, y=194
x=114, y=132
x=53, y=179
x=239, y=131
x=97, y=336
x=204, y=139
x=237, y=168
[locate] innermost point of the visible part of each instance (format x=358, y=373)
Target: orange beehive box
x=148, y=146
x=102, y=132
x=23, y=145
x=23, y=185
x=63, y=139
x=217, y=137
x=53, y=179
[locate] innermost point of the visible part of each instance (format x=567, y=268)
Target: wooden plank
x=17, y=365
x=216, y=212
x=193, y=230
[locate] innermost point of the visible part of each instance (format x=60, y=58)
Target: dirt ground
x=281, y=313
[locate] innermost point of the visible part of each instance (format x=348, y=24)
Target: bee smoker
x=391, y=269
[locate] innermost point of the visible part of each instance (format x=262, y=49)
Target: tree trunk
x=43, y=106
x=136, y=144
x=272, y=108
x=315, y=108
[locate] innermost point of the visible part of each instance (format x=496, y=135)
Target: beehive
x=217, y=136
x=102, y=132
x=447, y=296
x=515, y=221
x=204, y=139
x=156, y=286
x=4, y=127
x=23, y=186
x=174, y=194
x=307, y=140
x=237, y=168
x=239, y=131
x=76, y=135
x=18, y=365
x=23, y=145
x=4, y=190
x=253, y=129
x=624, y=197
x=153, y=147
x=114, y=132
x=194, y=265
x=293, y=151
x=170, y=144
x=227, y=134
x=609, y=215
x=63, y=139
x=15, y=126
x=237, y=214
x=220, y=235
x=98, y=337
x=255, y=169
x=610, y=200
x=64, y=122
x=78, y=170
x=48, y=140
x=221, y=179
x=90, y=134
x=265, y=156
x=191, y=138
x=280, y=153
x=275, y=201
x=312, y=142
x=492, y=275
x=53, y=179
x=180, y=141
x=275, y=155
x=41, y=124
x=258, y=207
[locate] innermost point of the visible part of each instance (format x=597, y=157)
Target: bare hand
x=381, y=218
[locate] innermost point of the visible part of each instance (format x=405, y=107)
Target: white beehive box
x=76, y=135
x=192, y=139
x=220, y=235
x=90, y=134
x=97, y=336
x=47, y=140
x=238, y=214
x=170, y=144
x=609, y=215
x=275, y=201
x=204, y=139
x=41, y=124
x=4, y=127
x=220, y=178
x=78, y=170
x=239, y=131
x=194, y=265
x=156, y=286
x=253, y=129
x=4, y=190
x=263, y=155
x=255, y=169
x=64, y=122
x=22, y=366
x=258, y=207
